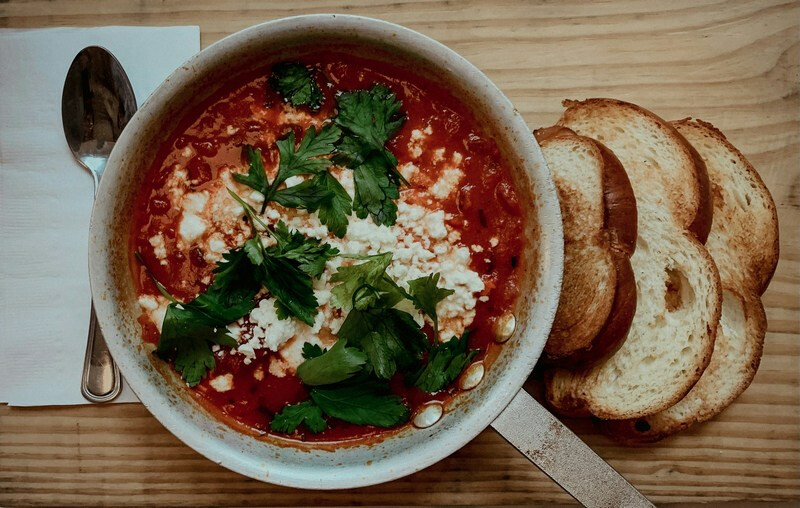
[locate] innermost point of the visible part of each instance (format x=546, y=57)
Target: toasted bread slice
x=744, y=242
x=679, y=296
x=599, y=215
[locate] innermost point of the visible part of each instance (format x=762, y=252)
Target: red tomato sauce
x=485, y=210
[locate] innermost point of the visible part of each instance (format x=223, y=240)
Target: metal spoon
x=96, y=103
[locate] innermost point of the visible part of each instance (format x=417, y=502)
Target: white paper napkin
x=46, y=200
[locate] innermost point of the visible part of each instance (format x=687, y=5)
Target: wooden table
x=733, y=64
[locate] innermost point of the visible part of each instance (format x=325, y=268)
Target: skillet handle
x=562, y=456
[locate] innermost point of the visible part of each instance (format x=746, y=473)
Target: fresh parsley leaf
x=334, y=212
x=193, y=359
x=337, y=364
x=426, y=295
x=322, y=193
x=306, y=159
x=231, y=294
x=254, y=250
x=375, y=192
x=256, y=176
x=293, y=415
x=372, y=115
x=308, y=195
x=351, y=278
x=369, y=118
x=286, y=268
x=189, y=333
x=381, y=351
x=312, y=351
x=390, y=338
x=296, y=84
x=368, y=402
x=291, y=287
x=189, y=329
x=445, y=362
x=309, y=253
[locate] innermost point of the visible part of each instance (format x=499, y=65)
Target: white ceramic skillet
x=279, y=461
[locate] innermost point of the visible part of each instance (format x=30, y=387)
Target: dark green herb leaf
x=390, y=338
x=351, y=278
x=322, y=193
x=291, y=287
x=337, y=364
x=372, y=115
x=426, y=295
x=256, y=176
x=445, y=363
x=312, y=350
x=293, y=415
x=369, y=118
x=296, y=84
x=189, y=333
x=306, y=158
x=365, y=403
x=375, y=192
x=309, y=254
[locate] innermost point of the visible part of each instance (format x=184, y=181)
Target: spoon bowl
x=96, y=104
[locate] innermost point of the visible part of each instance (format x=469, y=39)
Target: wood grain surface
x=734, y=64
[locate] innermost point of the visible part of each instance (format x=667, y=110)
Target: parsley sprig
x=369, y=118
x=296, y=83
x=322, y=192
x=362, y=402
x=446, y=360
x=190, y=328
x=286, y=268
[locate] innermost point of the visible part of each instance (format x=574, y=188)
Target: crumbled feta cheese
x=195, y=202
x=215, y=247
x=415, y=145
x=157, y=315
x=222, y=383
x=434, y=224
x=256, y=198
x=278, y=367
x=191, y=227
x=476, y=248
x=295, y=116
x=447, y=183
x=270, y=331
x=438, y=155
x=408, y=170
x=294, y=180
x=345, y=178
x=148, y=302
x=231, y=130
x=159, y=246
x=493, y=241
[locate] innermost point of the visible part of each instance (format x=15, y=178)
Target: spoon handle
x=562, y=456
x=101, y=381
